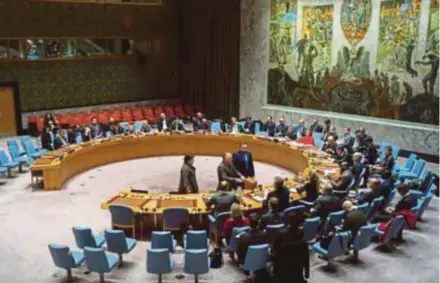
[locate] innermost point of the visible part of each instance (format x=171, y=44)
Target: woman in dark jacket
x=49, y=120
x=46, y=139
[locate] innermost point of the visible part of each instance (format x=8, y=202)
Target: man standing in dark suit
x=188, y=181
x=315, y=127
x=243, y=161
x=254, y=236
x=281, y=129
x=269, y=126
x=226, y=171
x=163, y=125
x=281, y=193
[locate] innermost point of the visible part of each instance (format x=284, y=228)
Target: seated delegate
x=280, y=192
x=273, y=216
x=223, y=200
x=237, y=219
x=254, y=236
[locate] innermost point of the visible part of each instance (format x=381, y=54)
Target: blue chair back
x=390, y=198
x=174, y=218
x=364, y=207
x=162, y=240
x=426, y=202
x=61, y=256
x=121, y=215
x=352, y=183
x=78, y=138
x=28, y=146
x=235, y=232
x=4, y=159
x=396, y=150
x=159, y=261
x=338, y=245
x=196, y=240
x=257, y=257
x=335, y=218
x=317, y=136
x=257, y=128
x=418, y=168
x=137, y=126
x=294, y=209
x=108, y=134
x=319, y=143
x=216, y=127
x=123, y=125
x=395, y=227
x=382, y=146
x=96, y=260
x=375, y=205
x=116, y=242
x=14, y=150
x=418, y=207
x=363, y=238
x=83, y=237
x=310, y=228
x=410, y=161
x=221, y=219
x=425, y=174
x=196, y=262
x=242, y=123
x=273, y=231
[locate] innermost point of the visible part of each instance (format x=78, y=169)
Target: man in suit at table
x=281, y=193
x=96, y=130
x=235, y=127
x=269, y=126
x=243, y=162
x=163, y=125
x=177, y=125
x=281, y=129
x=226, y=171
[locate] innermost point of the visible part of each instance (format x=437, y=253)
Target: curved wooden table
x=58, y=167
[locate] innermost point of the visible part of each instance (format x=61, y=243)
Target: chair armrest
x=306, y=203
x=212, y=219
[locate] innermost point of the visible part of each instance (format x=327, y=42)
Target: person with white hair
x=226, y=171
x=354, y=219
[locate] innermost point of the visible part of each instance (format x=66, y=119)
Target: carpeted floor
x=29, y=220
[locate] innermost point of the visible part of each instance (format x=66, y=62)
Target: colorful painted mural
x=355, y=19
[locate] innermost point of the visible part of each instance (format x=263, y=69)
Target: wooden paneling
x=7, y=112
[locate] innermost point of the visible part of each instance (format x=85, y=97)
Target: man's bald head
x=374, y=183
x=348, y=206
x=227, y=158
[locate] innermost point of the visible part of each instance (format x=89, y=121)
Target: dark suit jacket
x=281, y=130
x=325, y=205
x=371, y=154
x=356, y=169
x=353, y=221
x=271, y=218
x=250, y=127
x=227, y=173
x=245, y=168
x=160, y=125
x=311, y=192
x=197, y=124
x=316, y=128
x=249, y=238
x=270, y=127
x=179, y=126
x=114, y=128
x=369, y=196
x=96, y=131
x=145, y=128
x=406, y=202
x=290, y=256
x=300, y=130
x=386, y=187
x=283, y=196
x=344, y=181
x=222, y=202
x=387, y=162
x=188, y=180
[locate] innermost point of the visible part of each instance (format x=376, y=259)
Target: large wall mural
x=398, y=83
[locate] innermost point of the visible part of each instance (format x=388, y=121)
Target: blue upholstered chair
x=236, y=231
x=389, y=199
x=124, y=126
x=64, y=258
x=117, y=243
x=259, y=132
x=85, y=238
x=374, y=206
x=175, y=218
x=319, y=143
x=216, y=127
x=216, y=224
x=196, y=263
x=78, y=138
x=382, y=146
x=159, y=261
x=196, y=240
x=408, y=165
x=108, y=134
x=317, y=136
x=310, y=229
x=123, y=217
x=17, y=154
x=163, y=240
x=137, y=126
x=257, y=257
x=6, y=162
x=415, y=172
x=335, y=218
x=30, y=149
x=362, y=240
x=337, y=247
x=425, y=205
x=364, y=207
x=3, y=169
x=294, y=209
x=395, y=151
x=28, y=139
x=273, y=231
x=97, y=260
x=397, y=224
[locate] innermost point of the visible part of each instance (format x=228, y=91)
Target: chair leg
x=101, y=278
x=20, y=168
x=9, y=173
x=160, y=278
x=120, y=260
x=196, y=278
x=69, y=275
x=134, y=231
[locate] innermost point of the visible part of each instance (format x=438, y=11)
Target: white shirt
x=164, y=125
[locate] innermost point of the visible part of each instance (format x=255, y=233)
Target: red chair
x=127, y=117
x=179, y=111
x=40, y=124
x=63, y=120
x=116, y=114
x=75, y=119
x=32, y=119
x=149, y=114
x=169, y=112
x=189, y=110
x=158, y=110
x=128, y=110
x=103, y=118
x=138, y=115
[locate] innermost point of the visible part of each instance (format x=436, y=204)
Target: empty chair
x=195, y=240
x=415, y=172
x=426, y=202
x=374, y=207
x=216, y=127
x=97, y=260
x=294, y=209
x=364, y=207
x=216, y=224
x=196, y=263
x=169, y=112
x=123, y=217
x=124, y=125
x=319, y=143
x=189, y=109
x=158, y=110
x=163, y=240
x=317, y=136
x=9, y=164
x=335, y=218
x=257, y=257
x=337, y=247
x=362, y=240
x=175, y=218
x=393, y=230
x=259, y=132
x=179, y=111
x=117, y=243
x=137, y=126
x=64, y=258
x=273, y=231
x=12, y=143
x=85, y=238
x=408, y=165
x=310, y=229
x=159, y=262
x=149, y=114
x=236, y=231
x=395, y=151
